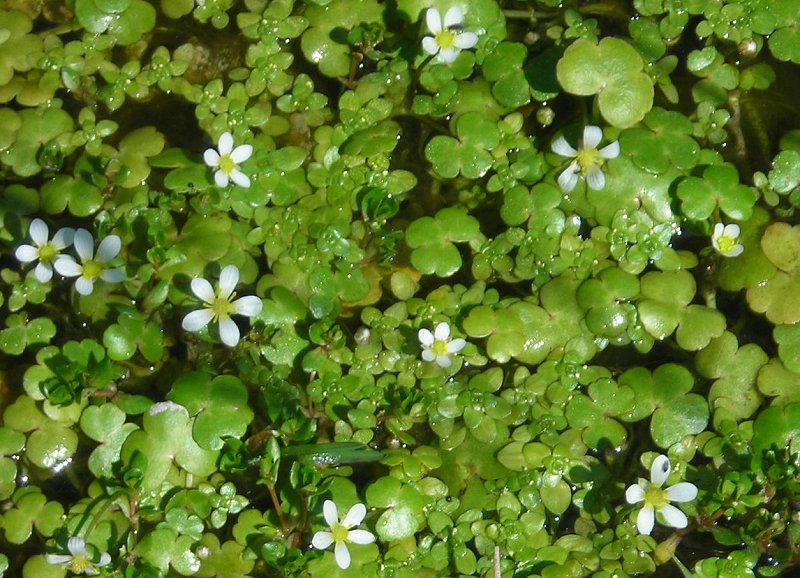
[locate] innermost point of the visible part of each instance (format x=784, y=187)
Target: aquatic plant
x=497, y=259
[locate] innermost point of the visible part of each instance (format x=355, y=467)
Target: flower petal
x=595, y=179
x=732, y=231
x=425, y=337
x=434, y=20
x=682, y=492
x=77, y=546
x=105, y=558
x=221, y=179
x=428, y=355
x=57, y=558
x=330, y=512
x=456, y=345
x=66, y=266
x=634, y=494
x=26, y=253
x=241, y=153
x=241, y=179
x=196, y=320
x=447, y=55
x=322, y=540
x=228, y=332
x=249, y=306
x=39, y=232
x=84, y=286
x=63, y=237
x=466, y=40
x=354, y=516
x=211, y=158
x=84, y=244
x=360, y=537
x=429, y=45
x=113, y=276
x=108, y=248
x=442, y=331
x=592, y=135
x=673, y=516
x=735, y=251
x=443, y=361
x=562, y=147
x=203, y=289
x=453, y=17
x=225, y=145
x=43, y=273
x=342, y=555
x=228, y=278
x=610, y=151
x=645, y=520
x=719, y=229
x=569, y=178
x=659, y=470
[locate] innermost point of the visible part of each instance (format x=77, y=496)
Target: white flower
x=91, y=267
x=43, y=249
x=340, y=532
x=725, y=240
x=438, y=346
x=78, y=561
x=657, y=499
x=220, y=306
x=227, y=160
x=449, y=39
x=588, y=159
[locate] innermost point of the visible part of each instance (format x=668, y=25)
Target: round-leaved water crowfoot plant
x=226, y=162
x=44, y=250
x=438, y=346
x=725, y=240
x=449, y=38
x=657, y=499
x=79, y=560
x=220, y=306
x=92, y=266
x=340, y=533
x=588, y=159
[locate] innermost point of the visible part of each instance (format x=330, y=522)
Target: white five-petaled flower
x=79, y=561
x=438, y=346
x=227, y=160
x=92, y=266
x=221, y=306
x=449, y=39
x=340, y=532
x=44, y=250
x=657, y=499
x=588, y=159
x=725, y=240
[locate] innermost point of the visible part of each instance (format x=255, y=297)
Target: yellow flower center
x=656, y=497
x=439, y=348
x=92, y=270
x=340, y=533
x=726, y=244
x=222, y=307
x=79, y=564
x=226, y=164
x=47, y=253
x=588, y=158
x=446, y=38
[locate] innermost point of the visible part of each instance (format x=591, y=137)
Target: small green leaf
x=613, y=70
x=718, y=188
x=219, y=405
